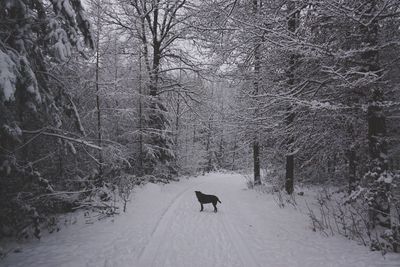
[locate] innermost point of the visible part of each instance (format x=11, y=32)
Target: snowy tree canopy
x=30, y=33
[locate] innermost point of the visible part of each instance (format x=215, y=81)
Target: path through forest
x=163, y=227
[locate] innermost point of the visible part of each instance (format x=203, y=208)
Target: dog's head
x=198, y=193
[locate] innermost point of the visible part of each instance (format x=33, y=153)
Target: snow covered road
x=163, y=227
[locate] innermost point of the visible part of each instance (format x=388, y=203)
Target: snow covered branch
x=57, y=135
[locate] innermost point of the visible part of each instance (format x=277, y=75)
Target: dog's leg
x=215, y=207
x=201, y=206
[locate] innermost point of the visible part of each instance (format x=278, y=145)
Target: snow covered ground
x=163, y=227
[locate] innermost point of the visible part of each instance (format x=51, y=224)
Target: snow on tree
x=33, y=38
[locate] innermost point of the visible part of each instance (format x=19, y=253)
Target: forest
x=98, y=97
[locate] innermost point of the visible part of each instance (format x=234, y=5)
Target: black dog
x=204, y=199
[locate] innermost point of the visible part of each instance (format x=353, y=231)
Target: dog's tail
x=219, y=200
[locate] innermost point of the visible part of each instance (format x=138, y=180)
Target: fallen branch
x=79, y=141
x=63, y=193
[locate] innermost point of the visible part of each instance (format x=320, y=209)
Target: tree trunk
x=257, y=67
x=140, y=111
x=178, y=110
x=99, y=136
x=289, y=178
x=289, y=174
x=234, y=154
x=352, y=170
x=256, y=161
x=379, y=189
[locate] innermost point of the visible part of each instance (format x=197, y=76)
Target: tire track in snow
x=148, y=254
x=239, y=243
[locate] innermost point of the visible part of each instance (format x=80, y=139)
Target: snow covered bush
x=337, y=213
x=126, y=183
x=28, y=201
